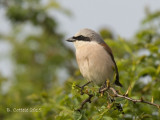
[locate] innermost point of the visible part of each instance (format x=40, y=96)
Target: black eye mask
x=81, y=38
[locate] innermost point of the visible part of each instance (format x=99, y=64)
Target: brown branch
x=130, y=99
x=85, y=101
x=82, y=87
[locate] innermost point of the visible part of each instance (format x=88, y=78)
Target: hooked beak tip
x=70, y=40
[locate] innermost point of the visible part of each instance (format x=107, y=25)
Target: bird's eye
x=80, y=37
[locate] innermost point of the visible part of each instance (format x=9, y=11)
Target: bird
x=94, y=57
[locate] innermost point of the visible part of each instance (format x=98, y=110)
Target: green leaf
x=147, y=70
x=77, y=115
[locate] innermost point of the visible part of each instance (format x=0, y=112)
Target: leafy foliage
x=40, y=57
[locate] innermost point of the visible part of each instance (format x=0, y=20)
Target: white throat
x=79, y=44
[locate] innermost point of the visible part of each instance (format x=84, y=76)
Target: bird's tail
x=117, y=81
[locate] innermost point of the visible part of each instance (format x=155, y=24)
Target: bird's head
x=86, y=36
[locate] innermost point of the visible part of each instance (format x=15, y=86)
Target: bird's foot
x=105, y=86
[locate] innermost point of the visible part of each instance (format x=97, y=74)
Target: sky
x=121, y=16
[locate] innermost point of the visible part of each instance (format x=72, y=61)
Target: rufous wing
x=109, y=51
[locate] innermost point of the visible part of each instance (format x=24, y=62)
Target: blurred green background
x=44, y=70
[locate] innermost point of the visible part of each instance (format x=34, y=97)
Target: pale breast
x=94, y=62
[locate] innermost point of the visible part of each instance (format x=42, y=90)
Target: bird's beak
x=71, y=39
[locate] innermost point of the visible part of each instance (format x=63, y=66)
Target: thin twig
x=130, y=99
x=85, y=101
x=82, y=87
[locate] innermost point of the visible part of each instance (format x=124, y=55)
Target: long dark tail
x=117, y=81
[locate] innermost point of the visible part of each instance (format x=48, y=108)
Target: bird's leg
x=82, y=87
x=106, y=85
x=102, y=92
x=103, y=86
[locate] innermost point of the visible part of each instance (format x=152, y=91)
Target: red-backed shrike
x=95, y=59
